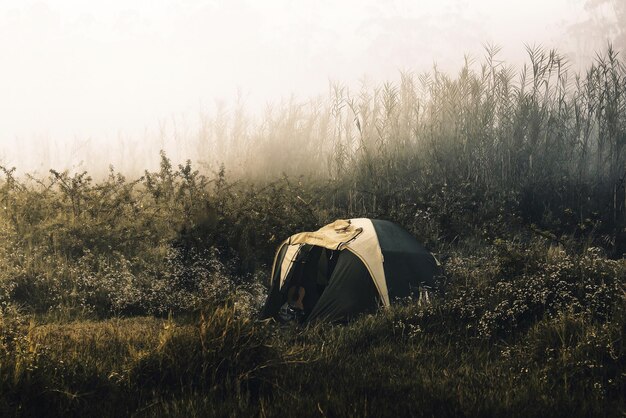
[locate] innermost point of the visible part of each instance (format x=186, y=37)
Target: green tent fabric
x=347, y=268
x=407, y=264
x=350, y=292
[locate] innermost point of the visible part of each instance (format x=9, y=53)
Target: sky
x=74, y=72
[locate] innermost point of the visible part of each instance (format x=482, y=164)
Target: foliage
x=222, y=363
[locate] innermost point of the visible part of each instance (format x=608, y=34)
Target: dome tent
x=348, y=267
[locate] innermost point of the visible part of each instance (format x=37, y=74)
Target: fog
x=88, y=84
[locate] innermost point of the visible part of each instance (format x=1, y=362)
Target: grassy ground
x=224, y=366
x=475, y=351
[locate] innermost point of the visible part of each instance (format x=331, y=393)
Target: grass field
x=138, y=296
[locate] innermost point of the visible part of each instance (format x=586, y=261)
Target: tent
x=347, y=268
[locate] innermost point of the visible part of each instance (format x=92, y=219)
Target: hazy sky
x=76, y=69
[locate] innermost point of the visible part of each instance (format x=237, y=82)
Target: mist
x=85, y=86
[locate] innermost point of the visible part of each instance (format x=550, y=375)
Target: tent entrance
x=330, y=285
x=309, y=276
